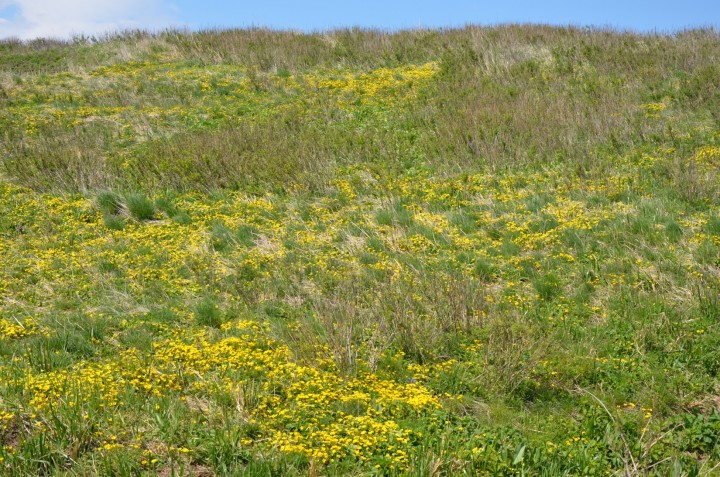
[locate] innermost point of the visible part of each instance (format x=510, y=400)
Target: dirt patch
x=707, y=404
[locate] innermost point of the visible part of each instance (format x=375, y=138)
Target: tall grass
x=504, y=96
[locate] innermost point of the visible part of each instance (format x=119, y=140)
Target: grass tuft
x=140, y=207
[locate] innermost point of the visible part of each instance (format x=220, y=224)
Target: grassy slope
x=477, y=251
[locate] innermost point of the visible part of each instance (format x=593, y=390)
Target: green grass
x=139, y=206
x=476, y=251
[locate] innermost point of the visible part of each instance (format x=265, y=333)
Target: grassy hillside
x=480, y=251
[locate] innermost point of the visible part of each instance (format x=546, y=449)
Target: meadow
x=476, y=251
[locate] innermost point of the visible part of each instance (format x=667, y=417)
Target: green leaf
x=519, y=455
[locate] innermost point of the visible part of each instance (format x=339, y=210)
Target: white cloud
x=65, y=18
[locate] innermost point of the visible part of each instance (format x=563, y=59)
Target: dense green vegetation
x=478, y=251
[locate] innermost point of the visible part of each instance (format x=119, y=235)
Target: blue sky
x=320, y=14
x=63, y=18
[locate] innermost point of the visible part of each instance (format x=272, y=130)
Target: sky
x=28, y=19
